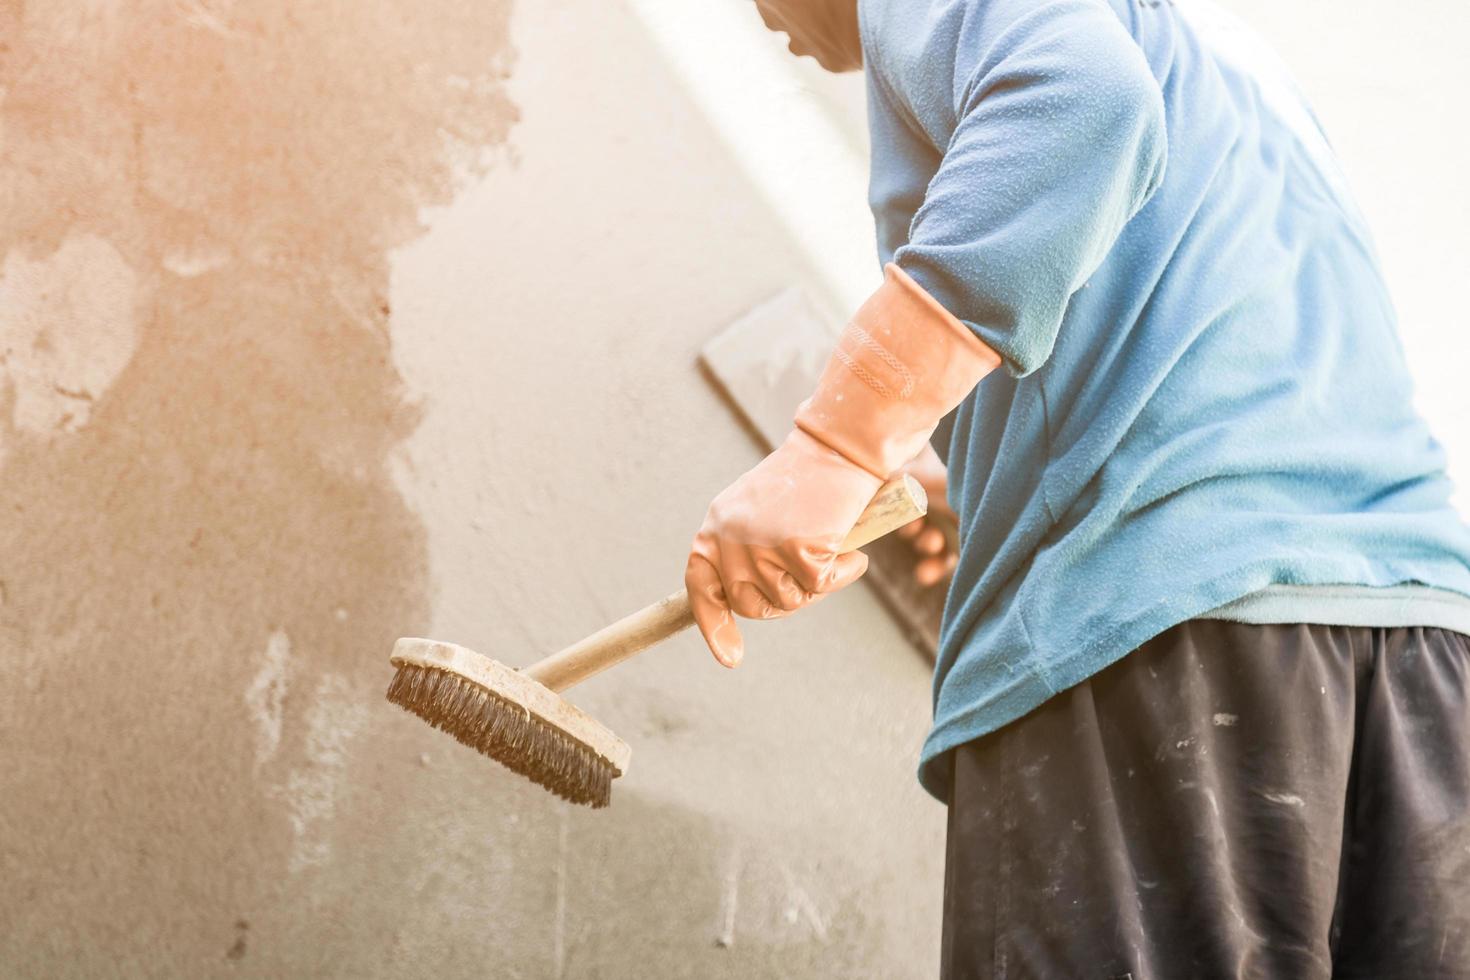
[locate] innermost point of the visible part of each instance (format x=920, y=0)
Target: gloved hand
x=768, y=543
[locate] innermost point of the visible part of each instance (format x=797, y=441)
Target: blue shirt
x=1204, y=395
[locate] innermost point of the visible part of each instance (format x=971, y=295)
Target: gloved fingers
x=929, y=541
x=712, y=612
x=933, y=570
x=846, y=569
x=747, y=599
x=808, y=562
x=912, y=528
x=738, y=567
x=779, y=585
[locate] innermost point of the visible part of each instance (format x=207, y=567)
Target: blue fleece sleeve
x=1059, y=140
x=903, y=160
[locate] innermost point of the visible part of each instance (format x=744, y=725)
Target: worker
x=1200, y=703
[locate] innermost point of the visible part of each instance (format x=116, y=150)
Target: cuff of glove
x=901, y=365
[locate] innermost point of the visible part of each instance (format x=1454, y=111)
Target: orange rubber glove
x=768, y=545
x=769, y=542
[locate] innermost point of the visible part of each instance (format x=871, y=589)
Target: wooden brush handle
x=898, y=502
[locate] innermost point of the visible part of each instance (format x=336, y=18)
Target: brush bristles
x=506, y=732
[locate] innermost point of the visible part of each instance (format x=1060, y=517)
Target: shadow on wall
x=198, y=405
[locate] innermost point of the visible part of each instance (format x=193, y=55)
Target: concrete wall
x=289, y=367
x=258, y=423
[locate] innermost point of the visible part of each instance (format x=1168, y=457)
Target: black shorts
x=1227, y=801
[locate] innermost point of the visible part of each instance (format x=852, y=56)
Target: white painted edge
x=793, y=151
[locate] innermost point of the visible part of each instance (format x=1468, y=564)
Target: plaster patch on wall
x=188, y=261
x=201, y=198
x=336, y=716
x=66, y=331
x=266, y=696
x=729, y=899
x=799, y=905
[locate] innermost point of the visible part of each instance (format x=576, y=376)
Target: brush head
x=505, y=715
